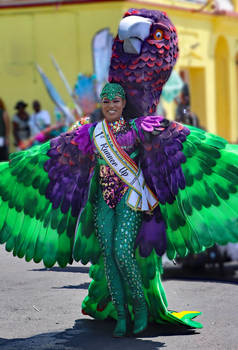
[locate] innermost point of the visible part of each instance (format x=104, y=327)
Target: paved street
x=40, y=309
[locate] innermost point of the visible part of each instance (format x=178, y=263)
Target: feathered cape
x=47, y=199
x=193, y=173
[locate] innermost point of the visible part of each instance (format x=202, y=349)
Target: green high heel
x=120, y=329
x=123, y=323
x=141, y=317
x=121, y=326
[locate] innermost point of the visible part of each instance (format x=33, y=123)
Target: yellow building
x=208, y=35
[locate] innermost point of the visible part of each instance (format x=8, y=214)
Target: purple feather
x=70, y=169
x=152, y=235
x=162, y=155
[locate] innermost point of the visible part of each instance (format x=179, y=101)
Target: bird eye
x=158, y=34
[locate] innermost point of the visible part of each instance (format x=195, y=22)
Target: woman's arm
x=6, y=120
x=15, y=132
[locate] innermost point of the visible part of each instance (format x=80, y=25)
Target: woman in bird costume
x=121, y=192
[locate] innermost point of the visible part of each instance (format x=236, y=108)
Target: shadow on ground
x=212, y=273
x=74, y=269
x=84, y=285
x=92, y=334
x=228, y=275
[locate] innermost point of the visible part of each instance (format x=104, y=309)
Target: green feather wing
x=206, y=211
x=86, y=245
x=29, y=226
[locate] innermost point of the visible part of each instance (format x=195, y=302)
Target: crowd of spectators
x=25, y=126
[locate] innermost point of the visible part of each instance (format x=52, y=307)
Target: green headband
x=111, y=90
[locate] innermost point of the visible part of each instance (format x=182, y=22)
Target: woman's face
x=112, y=109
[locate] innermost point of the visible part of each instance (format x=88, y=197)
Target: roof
x=28, y=3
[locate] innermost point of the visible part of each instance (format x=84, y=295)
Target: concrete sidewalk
x=41, y=309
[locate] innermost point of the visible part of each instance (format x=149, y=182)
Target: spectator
x=183, y=112
x=185, y=116
x=4, y=131
x=185, y=93
x=39, y=120
x=21, y=127
x=183, y=101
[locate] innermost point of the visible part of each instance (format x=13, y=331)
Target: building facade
x=31, y=31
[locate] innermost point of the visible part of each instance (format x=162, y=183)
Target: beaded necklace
x=117, y=124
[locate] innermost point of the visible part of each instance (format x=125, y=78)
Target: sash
x=140, y=196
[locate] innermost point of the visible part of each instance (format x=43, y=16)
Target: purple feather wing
x=161, y=157
x=42, y=192
x=70, y=169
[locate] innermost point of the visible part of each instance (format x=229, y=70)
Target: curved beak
x=133, y=30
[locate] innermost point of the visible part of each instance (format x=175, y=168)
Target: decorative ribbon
x=140, y=196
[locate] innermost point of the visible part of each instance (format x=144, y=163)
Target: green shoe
x=121, y=326
x=141, y=318
x=120, y=329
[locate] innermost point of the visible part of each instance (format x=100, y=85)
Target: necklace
x=117, y=124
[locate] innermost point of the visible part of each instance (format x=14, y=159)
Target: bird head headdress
x=143, y=55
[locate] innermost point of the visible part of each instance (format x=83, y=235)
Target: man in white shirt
x=39, y=120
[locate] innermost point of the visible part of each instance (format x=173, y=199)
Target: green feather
x=3, y=213
x=206, y=211
x=50, y=247
x=5, y=234
x=28, y=224
x=31, y=245
x=27, y=229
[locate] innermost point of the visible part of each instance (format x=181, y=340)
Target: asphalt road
x=41, y=309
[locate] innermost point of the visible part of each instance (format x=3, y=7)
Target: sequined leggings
x=116, y=230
